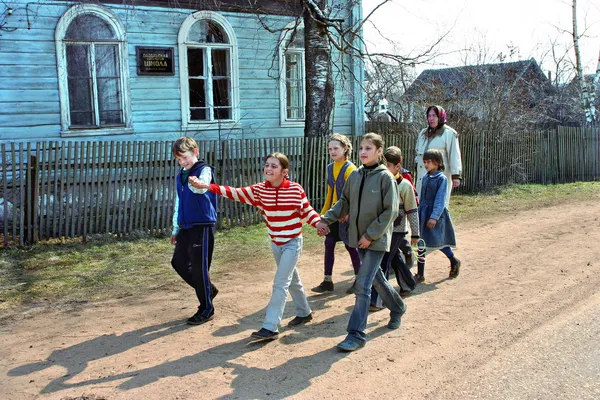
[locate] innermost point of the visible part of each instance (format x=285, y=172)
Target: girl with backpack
x=337, y=173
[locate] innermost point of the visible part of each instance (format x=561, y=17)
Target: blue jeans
x=286, y=279
x=370, y=275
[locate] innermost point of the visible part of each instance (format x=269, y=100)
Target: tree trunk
x=588, y=106
x=319, y=78
x=593, y=90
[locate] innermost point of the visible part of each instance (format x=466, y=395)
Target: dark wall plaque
x=155, y=60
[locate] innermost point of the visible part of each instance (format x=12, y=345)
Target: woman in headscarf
x=439, y=136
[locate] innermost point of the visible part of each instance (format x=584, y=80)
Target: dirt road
x=521, y=322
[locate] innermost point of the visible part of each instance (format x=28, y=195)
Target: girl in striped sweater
x=284, y=206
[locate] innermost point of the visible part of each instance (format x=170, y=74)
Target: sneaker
x=325, y=286
x=349, y=345
x=300, y=320
x=265, y=334
x=199, y=319
x=419, y=278
x=373, y=308
x=350, y=290
x=454, y=269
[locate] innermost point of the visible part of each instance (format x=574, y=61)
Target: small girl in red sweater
x=285, y=207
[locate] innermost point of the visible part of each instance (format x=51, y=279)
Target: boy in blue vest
x=194, y=227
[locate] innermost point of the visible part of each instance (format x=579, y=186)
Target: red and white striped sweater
x=284, y=207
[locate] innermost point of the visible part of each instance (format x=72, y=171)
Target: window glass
x=297, y=39
x=294, y=63
x=107, y=78
x=198, y=99
x=195, y=62
x=220, y=64
x=79, y=85
x=89, y=27
x=205, y=31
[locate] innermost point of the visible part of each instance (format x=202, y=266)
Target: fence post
x=31, y=198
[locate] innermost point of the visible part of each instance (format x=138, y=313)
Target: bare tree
x=388, y=81
x=588, y=92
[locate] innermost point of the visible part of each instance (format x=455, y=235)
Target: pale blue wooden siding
x=29, y=99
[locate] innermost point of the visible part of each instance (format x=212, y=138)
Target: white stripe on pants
x=286, y=279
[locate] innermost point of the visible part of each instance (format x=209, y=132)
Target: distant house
x=465, y=89
x=572, y=110
x=156, y=70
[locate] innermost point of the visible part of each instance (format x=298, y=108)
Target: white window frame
x=232, y=46
x=286, y=35
x=63, y=86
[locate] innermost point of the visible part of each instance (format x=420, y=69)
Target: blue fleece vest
x=195, y=208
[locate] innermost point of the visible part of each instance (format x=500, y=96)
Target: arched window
x=91, y=54
x=292, y=83
x=208, y=71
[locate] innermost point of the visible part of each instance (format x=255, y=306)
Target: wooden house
x=157, y=70
x=466, y=90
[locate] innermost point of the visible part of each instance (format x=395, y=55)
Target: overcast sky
x=490, y=25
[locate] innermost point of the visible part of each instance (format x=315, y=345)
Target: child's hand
x=363, y=243
x=431, y=223
x=173, y=240
x=344, y=219
x=195, y=182
x=322, y=228
x=414, y=241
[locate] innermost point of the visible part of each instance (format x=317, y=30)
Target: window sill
x=292, y=124
x=211, y=125
x=96, y=132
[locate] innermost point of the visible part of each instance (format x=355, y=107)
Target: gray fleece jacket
x=372, y=210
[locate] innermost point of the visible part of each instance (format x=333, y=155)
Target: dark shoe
x=373, y=308
x=265, y=334
x=300, y=320
x=454, y=269
x=419, y=278
x=349, y=345
x=404, y=293
x=394, y=322
x=199, y=319
x=325, y=286
x=214, y=293
x=350, y=290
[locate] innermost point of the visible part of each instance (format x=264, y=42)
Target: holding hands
x=197, y=183
x=322, y=228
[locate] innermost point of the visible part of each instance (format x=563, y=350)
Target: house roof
x=451, y=83
x=573, y=86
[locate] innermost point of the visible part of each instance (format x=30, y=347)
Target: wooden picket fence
x=75, y=189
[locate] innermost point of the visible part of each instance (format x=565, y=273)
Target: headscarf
x=441, y=114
